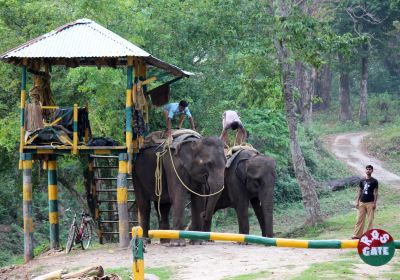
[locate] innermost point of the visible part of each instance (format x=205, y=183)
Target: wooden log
x=339, y=184
x=97, y=271
x=51, y=275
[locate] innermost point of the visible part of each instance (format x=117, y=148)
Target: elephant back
x=157, y=138
x=245, y=152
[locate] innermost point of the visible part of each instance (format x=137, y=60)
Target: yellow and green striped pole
x=122, y=199
x=128, y=113
x=143, y=74
x=75, y=131
x=27, y=205
x=138, y=257
x=278, y=242
x=53, y=202
x=22, y=115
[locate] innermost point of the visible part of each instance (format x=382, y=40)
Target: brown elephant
x=199, y=164
x=250, y=177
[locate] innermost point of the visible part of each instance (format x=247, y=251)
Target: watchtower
x=78, y=44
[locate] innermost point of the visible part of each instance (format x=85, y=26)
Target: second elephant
x=250, y=178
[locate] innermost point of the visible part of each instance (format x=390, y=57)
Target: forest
x=294, y=70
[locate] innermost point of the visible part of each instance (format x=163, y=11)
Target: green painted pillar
x=27, y=205
x=53, y=202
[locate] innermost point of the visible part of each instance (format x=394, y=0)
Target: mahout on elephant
x=191, y=168
x=250, y=178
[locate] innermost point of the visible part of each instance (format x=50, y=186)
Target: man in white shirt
x=231, y=120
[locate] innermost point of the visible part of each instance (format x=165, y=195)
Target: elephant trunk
x=266, y=197
x=215, y=186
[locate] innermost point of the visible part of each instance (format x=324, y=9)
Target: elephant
x=198, y=163
x=250, y=177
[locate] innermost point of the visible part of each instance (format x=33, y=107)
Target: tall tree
x=323, y=87
x=287, y=16
x=344, y=90
x=372, y=20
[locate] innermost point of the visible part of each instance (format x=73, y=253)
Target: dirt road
x=215, y=261
x=347, y=147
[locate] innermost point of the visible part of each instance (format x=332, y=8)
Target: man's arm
x=375, y=196
x=358, y=197
x=192, y=122
x=168, y=127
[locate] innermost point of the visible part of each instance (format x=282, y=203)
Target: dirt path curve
x=347, y=147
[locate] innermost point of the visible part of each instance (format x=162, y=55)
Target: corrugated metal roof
x=83, y=41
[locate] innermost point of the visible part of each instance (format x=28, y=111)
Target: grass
x=251, y=276
x=341, y=223
x=394, y=274
x=328, y=270
x=384, y=144
x=164, y=273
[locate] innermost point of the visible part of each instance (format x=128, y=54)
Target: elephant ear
x=184, y=151
x=241, y=170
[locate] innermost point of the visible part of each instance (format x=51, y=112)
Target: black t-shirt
x=367, y=187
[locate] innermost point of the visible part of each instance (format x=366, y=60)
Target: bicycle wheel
x=71, y=238
x=86, y=236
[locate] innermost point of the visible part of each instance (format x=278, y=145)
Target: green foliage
x=266, y=128
x=384, y=144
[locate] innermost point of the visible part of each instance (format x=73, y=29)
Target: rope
x=183, y=184
x=158, y=178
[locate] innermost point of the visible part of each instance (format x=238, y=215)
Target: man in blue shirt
x=177, y=109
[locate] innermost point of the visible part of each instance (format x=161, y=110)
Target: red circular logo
x=376, y=247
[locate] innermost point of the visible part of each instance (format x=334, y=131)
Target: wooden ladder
x=105, y=168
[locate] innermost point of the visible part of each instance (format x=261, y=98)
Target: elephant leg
x=242, y=212
x=178, y=198
x=197, y=207
x=255, y=202
x=164, y=221
x=144, y=208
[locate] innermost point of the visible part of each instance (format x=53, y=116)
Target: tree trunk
x=305, y=83
x=363, y=117
x=344, y=92
x=323, y=88
x=311, y=77
x=304, y=179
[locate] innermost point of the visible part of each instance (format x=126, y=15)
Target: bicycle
x=82, y=235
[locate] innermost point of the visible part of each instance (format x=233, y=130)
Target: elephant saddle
x=158, y=138
x=236, y=150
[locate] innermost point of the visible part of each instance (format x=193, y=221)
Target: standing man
x=177, y=109
x=231, y=120
x=366, y=202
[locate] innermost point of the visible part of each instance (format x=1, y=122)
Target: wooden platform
x=83, y=149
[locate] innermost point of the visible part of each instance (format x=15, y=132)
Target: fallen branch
x=339, y=184
x=86, y=272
